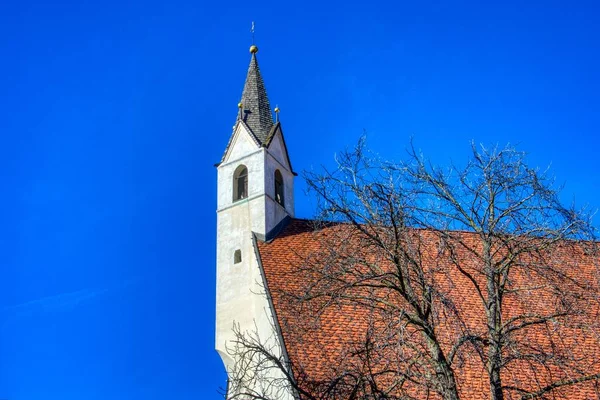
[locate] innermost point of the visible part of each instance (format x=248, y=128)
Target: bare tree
x=472, y=282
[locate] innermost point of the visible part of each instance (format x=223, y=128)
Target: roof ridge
x=328, y=224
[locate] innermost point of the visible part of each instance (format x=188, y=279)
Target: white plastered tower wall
x=241, y=296
x=276, y=159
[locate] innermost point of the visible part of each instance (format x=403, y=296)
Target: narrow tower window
x=240, y=183
x=279, y=188
x=237, y=257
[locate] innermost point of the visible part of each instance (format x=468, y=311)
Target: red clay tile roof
x=320, y=333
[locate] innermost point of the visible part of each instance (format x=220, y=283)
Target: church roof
x=255, y=107
x=322, y=333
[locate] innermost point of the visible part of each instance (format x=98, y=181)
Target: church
x=277, y=341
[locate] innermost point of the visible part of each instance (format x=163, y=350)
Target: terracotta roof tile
x=321, y=333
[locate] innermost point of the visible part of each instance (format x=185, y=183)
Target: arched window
x=240, y=183
x=279, y=188
x=237, y=256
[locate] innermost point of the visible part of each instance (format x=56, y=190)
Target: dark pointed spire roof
x=255, y=109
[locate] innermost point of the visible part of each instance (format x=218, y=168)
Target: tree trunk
x=494, y=372
x=494, y=320
x=443, y=370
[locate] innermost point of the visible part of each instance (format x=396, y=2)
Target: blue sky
x=112, y=115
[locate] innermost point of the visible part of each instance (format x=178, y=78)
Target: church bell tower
x=255, y=200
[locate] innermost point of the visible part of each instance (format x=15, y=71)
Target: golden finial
x=277, y=109
x=276, y=113
x=241, y=108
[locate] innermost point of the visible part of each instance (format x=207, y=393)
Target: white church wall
x=241, y=145
x=271, y=165
x=241, y=299
x=277, y=150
